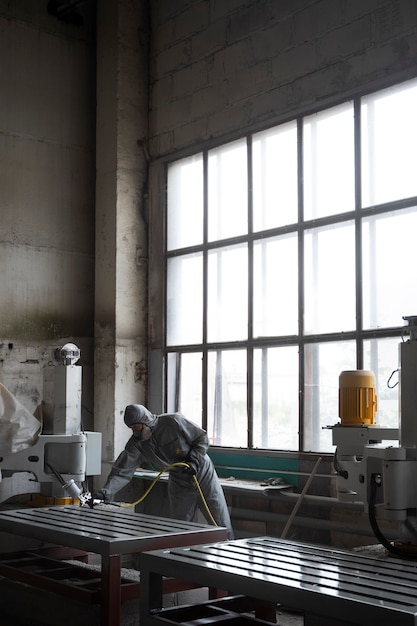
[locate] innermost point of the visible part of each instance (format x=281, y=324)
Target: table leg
x=151, y=594
x=111, y=593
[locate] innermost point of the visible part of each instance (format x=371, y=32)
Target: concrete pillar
x=121, y=226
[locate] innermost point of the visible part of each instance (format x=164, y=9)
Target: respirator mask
x=143, y=434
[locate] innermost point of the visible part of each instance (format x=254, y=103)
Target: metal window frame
x=357, y=334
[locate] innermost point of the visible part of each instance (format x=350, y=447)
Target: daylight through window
x=290, y=256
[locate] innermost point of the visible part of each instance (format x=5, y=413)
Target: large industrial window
x=291, y=256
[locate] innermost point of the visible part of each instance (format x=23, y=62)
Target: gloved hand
x=192, y=469
x=101, y=495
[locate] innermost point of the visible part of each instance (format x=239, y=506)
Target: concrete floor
x=289, y=619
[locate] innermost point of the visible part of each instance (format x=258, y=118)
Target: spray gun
x=72, y=489
x=70, y=486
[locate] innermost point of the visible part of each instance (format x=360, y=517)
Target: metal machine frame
x=377, y=466
x=64, y=454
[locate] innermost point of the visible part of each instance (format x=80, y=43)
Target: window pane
x=329, y=287
x=328, y=151
x=227, y=308
x=185, y=203
x=275, y=298
x=389, y=243
x=323, y=364
x=389, y=138
x=190, y=392
x=275, y=410
x=381, y=357
x=275, y=194
x=227, y=191
x=184, y=299
x=227, y=398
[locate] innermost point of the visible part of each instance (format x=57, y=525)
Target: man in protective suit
x=161, y=440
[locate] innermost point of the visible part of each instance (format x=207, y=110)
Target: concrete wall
x=73, y=174
x=222, y=67
x=47, y=163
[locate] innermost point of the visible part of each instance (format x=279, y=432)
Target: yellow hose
x=153, y=483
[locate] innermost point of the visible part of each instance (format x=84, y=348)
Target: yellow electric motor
x=357, y=398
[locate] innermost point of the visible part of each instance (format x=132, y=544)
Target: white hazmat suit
x=171, y=439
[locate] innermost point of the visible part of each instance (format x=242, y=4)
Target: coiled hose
x=153, y=483
x=403, y=553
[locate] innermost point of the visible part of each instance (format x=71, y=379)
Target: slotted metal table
x=336, y=585
x=110, y=533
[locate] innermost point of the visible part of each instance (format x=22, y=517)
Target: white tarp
x=19, y=429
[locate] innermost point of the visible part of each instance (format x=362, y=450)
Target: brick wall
x=220, y=67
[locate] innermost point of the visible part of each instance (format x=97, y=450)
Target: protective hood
x=139, y=414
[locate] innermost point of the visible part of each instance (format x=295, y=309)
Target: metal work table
x=109, y=533
x=324, y=583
